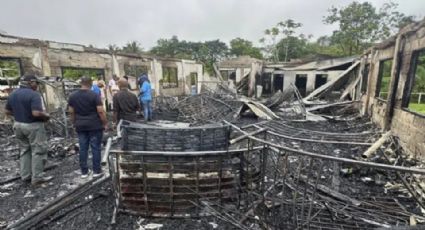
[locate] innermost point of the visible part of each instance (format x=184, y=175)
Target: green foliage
x=282, y=43
x=132, y=47
x=292, y=47
x=385, y=78
x=113, y=48
x=77, y=73
x=241, y=47
x=419, y=108
x=193, y=78
x=207, y=52
x=9, y=68
x=173, y=48
x=135, y=70
x=361, y=24
x=418, y=86
x=419, y=83
x=324, y=47
x=169, y=77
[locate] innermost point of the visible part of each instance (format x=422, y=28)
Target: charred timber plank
x=332, y=158
x=237, y=139
x=57, y=204
x=329, y=84
x=317, y=141
x=368, y=153
x=333, y=193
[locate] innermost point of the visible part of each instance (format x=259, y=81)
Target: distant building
x=169, y=76
x=279, y=76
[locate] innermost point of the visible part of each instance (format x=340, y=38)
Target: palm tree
x=113, y=48
x=132, y=47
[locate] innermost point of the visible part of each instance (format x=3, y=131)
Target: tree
x=207, y=52
x=132, y=47
x=323, y=46
x=211, y=52
x=113, y=48
x=269, y=43
x=361, y=24
x=287, y=28
x=9, y=68
x=173, y=48
x=293, y=47
x=282, y=41
x=241, y=47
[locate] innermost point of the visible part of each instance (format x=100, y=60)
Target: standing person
x=128, y=83
x=89, y=119
x=101, y=84
x=95, y=88
x=125, y=103
x=112, y=87
x=146, y=96
x=26, y=106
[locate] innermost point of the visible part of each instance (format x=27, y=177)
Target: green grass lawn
x=419, y=108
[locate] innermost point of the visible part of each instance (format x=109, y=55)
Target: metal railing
x=307, y=191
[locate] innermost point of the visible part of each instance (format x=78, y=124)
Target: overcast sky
x=103, y=22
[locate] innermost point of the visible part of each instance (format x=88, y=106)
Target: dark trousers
x=94, y=140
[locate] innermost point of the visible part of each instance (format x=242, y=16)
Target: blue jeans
x=94, y=140
x=147, y=109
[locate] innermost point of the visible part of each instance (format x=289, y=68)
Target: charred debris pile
x=301, y=164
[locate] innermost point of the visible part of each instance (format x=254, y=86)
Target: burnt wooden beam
x=332, y=158
x=57, y=204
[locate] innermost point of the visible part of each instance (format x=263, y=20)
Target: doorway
x=278, y=82
x=301, y=83
x=321, y=79
x=194, y=83
x=266, y=83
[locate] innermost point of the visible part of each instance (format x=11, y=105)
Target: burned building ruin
x=331, y=144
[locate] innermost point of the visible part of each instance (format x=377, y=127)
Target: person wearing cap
x=89, y=119
x=26, y=106
x=125, y=103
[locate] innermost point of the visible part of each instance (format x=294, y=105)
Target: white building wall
x=189, y=67
x=239, y=74
x=156, y=76
x=288, y=79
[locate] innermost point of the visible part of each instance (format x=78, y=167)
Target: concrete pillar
x=370, y=92
x=45, y=63
x=156, y=76
x=115, y=65
x=389, y=111
x=255, y=69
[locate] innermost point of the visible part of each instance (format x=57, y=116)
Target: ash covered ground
x=376, y=189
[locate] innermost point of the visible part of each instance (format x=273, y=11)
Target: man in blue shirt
x=89, y=119
x=146, y=96
x=95, y=88
x=26, y=106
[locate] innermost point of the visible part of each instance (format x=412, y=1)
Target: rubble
x=292, y=185
x=223, y=161
x=202, y=109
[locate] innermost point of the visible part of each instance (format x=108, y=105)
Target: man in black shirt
x=89, y=118
x=125, y=103
x=25, y=104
